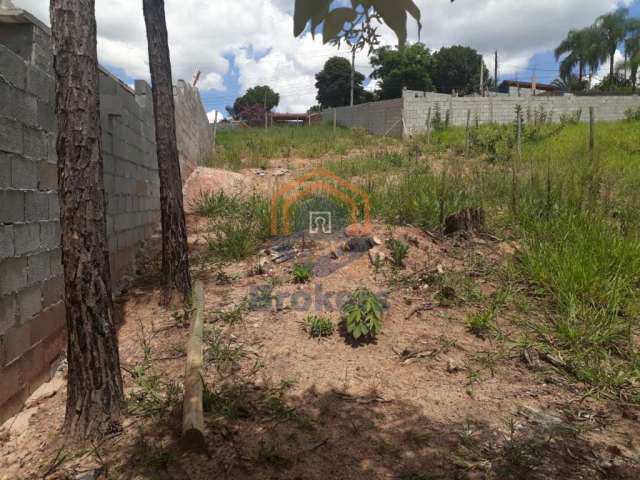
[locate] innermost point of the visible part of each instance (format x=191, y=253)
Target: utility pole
x=626, y=62
x=266, y=115
x=534, y=82
x=215, y=131
x=481, y=76
x=495, y=72
x=353, y=73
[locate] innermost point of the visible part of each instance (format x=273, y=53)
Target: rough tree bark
x=94, y=392
x=175, y=254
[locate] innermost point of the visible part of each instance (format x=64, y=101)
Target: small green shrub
x=363, y=315
x=151, y=395
x=319, y=326
x=221, y=351
x=302, y=273
x=233, y=240
x=233, y=315
x=238, y=224
x=482, y=322
x=399, y=252
x=215, y=205
x=496, y=141
x=632, y=114
x=571, y=118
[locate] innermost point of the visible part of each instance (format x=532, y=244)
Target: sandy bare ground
x=427, y=400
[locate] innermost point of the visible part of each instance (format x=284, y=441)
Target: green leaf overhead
x=313, y=11
x=395, y=16
x=392, y=12
x=334, y=22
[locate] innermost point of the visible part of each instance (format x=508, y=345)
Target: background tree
x=334, y=83
x=457, y=68
x=404, y=67
x=254, y=97
x=94, y=383
x=175, y=251
x=619, y=83
x=581, y=50
x=632, y=49
x=613, y=28
x=253, y=115
x=570, y=83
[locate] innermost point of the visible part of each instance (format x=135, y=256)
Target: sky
x=237, y=44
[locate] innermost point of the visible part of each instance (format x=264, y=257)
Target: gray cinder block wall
x=413, y=108
x=383, y=117
x=195, y=136
x=502, y=108
x=32, y=319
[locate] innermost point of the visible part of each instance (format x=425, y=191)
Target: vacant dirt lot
x=436, y=396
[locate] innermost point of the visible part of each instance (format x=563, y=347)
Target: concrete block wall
x=31, y=286
x=377, y=117
x=195, y=136
x=130, y=169
x=412, y=110
x=502, y=109
x=32, y=315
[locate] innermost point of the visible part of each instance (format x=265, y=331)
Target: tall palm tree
x=613, y=28
x=632, y=50
x=582, y=52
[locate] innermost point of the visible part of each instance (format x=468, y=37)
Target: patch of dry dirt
x=427, y=400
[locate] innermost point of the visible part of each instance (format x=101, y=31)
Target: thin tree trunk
x=175, y=254
x=581, y=73
x=353, y=76
x=94, y=392
x=612, y=67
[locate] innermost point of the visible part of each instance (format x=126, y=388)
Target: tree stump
x=468, y=220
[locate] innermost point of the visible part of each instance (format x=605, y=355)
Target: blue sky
x=237, y=44
x=544, y=63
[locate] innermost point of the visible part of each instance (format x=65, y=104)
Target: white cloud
x=212, y=81
x=205, y=35
x=604, y=69
x=372, y=86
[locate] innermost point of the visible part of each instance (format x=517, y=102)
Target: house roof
x=529, y=85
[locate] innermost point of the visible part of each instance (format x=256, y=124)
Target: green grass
x=252, y=147
x=319, y=326
x=577, y=219
x=575, y=215
x=302, y=273
x=238, y=225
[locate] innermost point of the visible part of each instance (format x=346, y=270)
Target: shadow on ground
x=259, y=432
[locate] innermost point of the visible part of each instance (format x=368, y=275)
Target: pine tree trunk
x=94, y=392
x=175, y=255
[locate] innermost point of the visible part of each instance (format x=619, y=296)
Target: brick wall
x=32, y=318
